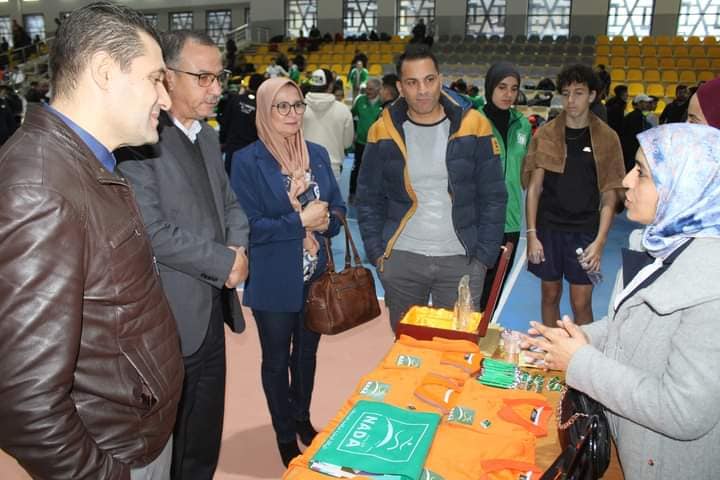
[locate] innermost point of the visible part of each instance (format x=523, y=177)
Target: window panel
x=181, y=21
x=630, y=17
x=219, y=24
x=410, y=11
x=152, y=19
x=549, y=17
x=35, y=25
x=699, y=18
x=485, y=17
x=359, y=16
x=300, y=15
x=6, y=29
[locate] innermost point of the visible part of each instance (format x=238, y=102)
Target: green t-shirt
x=511, y=156
x=366, y=113
x=294, y=74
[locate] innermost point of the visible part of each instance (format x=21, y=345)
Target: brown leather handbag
x=338, y=301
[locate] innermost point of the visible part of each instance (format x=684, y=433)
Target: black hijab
x=500, y=118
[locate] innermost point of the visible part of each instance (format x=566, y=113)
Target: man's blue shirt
x=104, y=155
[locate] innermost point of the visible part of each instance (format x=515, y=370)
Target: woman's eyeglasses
x=206, y=79
x=283, y=108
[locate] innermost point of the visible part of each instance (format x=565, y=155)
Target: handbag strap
x=349, y=243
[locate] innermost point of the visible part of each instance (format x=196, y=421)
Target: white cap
x=318, y=78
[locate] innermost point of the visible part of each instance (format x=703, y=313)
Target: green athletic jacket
x=511, y=156
x=366, y=113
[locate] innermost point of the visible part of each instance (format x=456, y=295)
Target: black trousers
x=514, y=238
x=198, y=429
x=359, y=150
x=288, y=368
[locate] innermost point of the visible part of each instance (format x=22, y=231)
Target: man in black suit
x=199, y=234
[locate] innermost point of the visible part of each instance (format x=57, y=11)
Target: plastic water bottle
x=595, y=277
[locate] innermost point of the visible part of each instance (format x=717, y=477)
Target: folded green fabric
x=378, y=440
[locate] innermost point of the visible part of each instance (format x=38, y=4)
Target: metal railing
x=247, y=34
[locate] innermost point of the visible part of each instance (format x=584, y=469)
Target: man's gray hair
x=173, y=43
x=375, y=82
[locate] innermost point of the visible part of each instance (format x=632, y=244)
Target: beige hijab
x=290, y=152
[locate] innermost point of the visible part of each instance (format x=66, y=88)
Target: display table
x=508, y=433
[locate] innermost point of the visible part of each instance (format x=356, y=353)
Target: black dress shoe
x=306, y=431
x=288, y=451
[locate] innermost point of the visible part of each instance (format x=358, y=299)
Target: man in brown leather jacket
x=91, y=370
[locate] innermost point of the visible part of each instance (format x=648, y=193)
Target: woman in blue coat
x=288, y=191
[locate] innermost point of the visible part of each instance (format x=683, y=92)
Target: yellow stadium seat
x=687, y=76
x=681, y=51
x=618, y=62
x=665, y=51
x=697, y=51
x=710, y=40
x=338, y=69
x=651, y=62
x=373, y=47
x=635, y=62
x=375, y=70
x=677, y=40
x=662, y=40
x=667, y=62
x=311, y=67
x=669, y=76
x=386, y=58
x=617, y=50
x=635, y=89
x=701, y=63
x=603, y=50
x=670, y=90
x=705, y=76
x=633, y=51
x=694, y=41
x=647, y=40
x=617, y=40
x=634, y=75
x=651, y=76
x=649, y=51
x=656, y=89
x=604, y=60
x=632, y=40
x=660, y=106
x=618, y=75
x=324, y=65
x=602, y=40
x=262, y=49
x=716, y=64
x=713, y=52
x=683, y=63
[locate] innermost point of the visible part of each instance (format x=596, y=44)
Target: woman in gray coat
x=652, y=362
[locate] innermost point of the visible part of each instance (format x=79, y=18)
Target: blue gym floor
x=522, y=302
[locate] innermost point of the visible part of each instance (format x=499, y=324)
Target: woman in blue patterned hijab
x=684, y=163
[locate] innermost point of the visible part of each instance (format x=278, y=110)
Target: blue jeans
x=288, y=396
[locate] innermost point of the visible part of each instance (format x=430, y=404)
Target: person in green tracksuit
x=366, y=111
x=357, y=78
x=512, y=131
